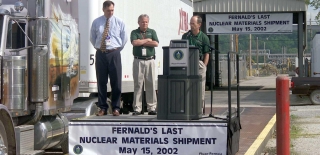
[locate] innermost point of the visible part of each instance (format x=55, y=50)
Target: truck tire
x=65, y=146
x=315, y=97
x=8, y=139
x=3, y=140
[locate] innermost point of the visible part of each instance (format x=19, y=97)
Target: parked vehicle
x=310, y=86
x=47, y=64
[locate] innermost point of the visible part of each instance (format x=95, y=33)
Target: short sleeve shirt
x=137, y=34
x=199, y=41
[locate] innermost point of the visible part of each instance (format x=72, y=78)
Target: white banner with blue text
x=147, y=138
x=249, y=23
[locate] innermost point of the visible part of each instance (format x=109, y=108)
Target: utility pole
x=237, y=43
x=264, y=53
x=250, y=66
x=257, y=55
x=231, y=38
x=282, y=60
x=231, y=43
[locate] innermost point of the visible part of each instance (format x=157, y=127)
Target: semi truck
x=47, y=64
x=310, y=86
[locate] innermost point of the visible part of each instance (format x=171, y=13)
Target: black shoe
x=152, y=113
x=136, y=113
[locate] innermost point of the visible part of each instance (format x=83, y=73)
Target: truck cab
x=39, y=57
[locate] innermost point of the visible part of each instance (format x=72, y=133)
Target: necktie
x=104, y=35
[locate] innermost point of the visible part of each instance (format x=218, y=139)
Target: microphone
x=202, y=43
x=188, y=34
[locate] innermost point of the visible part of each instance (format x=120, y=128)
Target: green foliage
x=316, y=5
x=273, y=42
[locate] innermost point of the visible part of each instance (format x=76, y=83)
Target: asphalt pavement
x=257, y=106
x=304, y=118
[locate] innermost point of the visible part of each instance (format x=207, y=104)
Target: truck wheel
x=315, y=97
x=3, y=140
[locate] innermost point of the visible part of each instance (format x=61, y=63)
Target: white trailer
x=170, y=19
x=315, y=55
x=47, y=63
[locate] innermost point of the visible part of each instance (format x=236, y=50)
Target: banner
x=147, y=138
x=249, y=23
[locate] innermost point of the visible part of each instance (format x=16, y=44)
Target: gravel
x=306, y=119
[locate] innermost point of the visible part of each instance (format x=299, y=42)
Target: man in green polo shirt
x=144, y=40
x=200, y=40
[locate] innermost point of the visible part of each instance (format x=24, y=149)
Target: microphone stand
x=211, y=49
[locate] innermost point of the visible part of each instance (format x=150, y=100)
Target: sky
x=311, y=12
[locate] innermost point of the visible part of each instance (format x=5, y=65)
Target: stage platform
x=253, y=123
x=145, y=134
x=144, y=118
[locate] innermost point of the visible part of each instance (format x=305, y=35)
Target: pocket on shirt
x=100, y=30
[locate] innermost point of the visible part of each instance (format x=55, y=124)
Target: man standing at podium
x=144, y=40
x=197, y=38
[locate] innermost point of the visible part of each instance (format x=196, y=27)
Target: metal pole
x=216, y=61
x=257, y=55
x=282, y=114
x=282, y=60
x=300, y=43
x=264, y=53
x=229, y=87
x=250, y=56
x=231, y=43
x=238, y=87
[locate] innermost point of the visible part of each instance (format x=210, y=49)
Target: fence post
x=282, y=115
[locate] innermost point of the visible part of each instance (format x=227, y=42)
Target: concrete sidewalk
x=304, y=130
x=265, y=128
x=304, y=125
x=258, y=126
x=257, y=112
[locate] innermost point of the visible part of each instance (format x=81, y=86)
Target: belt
x=108, y=50
x=144, y=58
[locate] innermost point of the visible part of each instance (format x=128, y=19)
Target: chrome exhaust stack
x=37, y=114
x=54, y=131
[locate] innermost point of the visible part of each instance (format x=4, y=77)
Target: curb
x=259, y=144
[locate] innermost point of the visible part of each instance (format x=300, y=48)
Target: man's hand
x=140, y=42
x=150, y=43
x=145, y=42
x=206, y=58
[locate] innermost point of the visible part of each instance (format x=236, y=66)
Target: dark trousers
x=109, y=64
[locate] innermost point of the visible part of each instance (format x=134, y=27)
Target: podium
x=179, y=88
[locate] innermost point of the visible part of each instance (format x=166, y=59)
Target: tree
x=316, y=5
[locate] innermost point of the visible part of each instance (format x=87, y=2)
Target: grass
x=295, y=132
